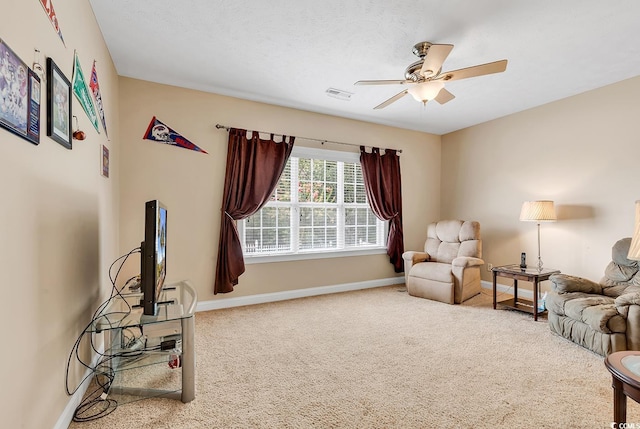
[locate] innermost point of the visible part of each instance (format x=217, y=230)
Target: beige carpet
x=379, y=358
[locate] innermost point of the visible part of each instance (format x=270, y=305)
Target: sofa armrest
x=415, y=257
x=467, y=261
x=563, y=283
x=410, y=258
x=632, y=298
x=628, y=306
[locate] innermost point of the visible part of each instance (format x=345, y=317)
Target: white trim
x=67, y=415
x=259, y=259
x=298, y=293
x=328, y=155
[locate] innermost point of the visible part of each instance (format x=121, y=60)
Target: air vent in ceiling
x=339, y=94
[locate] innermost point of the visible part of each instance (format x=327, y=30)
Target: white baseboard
x=297, y=293
x=67, y=415
x=522, y=293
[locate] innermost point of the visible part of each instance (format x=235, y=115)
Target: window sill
x=263, y=259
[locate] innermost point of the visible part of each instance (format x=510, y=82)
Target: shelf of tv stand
x=141, y=369
x=146, y=375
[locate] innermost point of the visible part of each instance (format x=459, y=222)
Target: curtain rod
x=218, y=126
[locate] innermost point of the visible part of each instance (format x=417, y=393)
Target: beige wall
x=582, y=152
x=190, y=183
x=59, y=221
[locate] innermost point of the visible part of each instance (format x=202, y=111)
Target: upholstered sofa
x=603, y=317
x=449, y=268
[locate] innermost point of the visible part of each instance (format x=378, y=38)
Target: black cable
x=103, y=374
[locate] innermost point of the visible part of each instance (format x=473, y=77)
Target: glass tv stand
x=148, y=356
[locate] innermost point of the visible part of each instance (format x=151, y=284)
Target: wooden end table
x=625, y=372
x=529, y=274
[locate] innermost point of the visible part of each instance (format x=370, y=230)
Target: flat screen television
x=153, y=258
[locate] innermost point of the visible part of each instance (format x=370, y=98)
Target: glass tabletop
x=531, y=270
x=632, y=363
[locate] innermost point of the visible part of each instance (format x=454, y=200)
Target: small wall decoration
x=157, y=131
x=105, y=161
x=19, y=96
x=78, y=134
x=58, y=105
x=95, y=89
x=82, y=93
x=48, y=8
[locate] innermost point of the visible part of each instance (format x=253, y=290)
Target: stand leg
x=619, y=402
x=188, y=360
x=535, y=299
x=495, y=274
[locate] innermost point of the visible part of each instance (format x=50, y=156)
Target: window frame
x=318, y=154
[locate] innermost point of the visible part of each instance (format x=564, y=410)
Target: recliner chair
x=449, y=268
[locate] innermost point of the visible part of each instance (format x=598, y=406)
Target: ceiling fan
x=426, y=79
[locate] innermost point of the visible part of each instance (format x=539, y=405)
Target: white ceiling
x=289, y=52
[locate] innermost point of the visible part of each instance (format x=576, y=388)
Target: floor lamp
x=538, y=211
x=634, y=249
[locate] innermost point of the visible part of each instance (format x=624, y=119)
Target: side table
x=529, y=274
x=625, y=371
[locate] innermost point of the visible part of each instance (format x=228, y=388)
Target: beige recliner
x=603, y=317
x=449, y=268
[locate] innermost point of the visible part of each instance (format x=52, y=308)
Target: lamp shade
x=538, y=211
x=426, y=91
x=634, y=249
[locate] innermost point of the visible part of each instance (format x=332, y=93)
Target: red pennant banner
x=95, y=90
x=51, y=13
x=157, y=131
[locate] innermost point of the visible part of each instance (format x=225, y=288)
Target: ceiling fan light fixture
x=426, y=91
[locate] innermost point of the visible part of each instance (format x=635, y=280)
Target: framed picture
x=105, y=161
x=58, y=105
x=19, y=96
x=33, y=130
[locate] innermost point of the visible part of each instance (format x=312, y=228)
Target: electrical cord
x=95, y=403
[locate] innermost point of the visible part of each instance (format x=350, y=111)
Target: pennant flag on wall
x=95, y=89
x=157, y=131
x=48, y=7
x=82, y=93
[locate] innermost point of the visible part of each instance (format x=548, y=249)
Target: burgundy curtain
x=254, y=167
x=381, y=175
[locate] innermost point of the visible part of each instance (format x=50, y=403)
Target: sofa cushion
x=448, y=230
x=598, y=312
x=555, y=301
x=432, y=271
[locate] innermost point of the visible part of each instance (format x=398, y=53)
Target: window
x=318, y=206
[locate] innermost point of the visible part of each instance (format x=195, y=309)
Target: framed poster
x=58, y=105
x=19, y=96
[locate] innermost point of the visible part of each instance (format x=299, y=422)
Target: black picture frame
x=19, y=96
x=58, y=105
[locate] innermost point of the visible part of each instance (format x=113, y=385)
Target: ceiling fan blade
x=383, y=82
x=444, y=96
x=480, y=70
x=434, y=59
x=396, y=97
